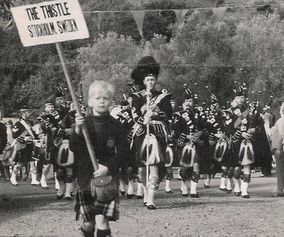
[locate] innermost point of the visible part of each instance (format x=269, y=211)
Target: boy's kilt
x=89, y=207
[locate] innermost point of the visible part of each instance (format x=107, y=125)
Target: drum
x=65, y=156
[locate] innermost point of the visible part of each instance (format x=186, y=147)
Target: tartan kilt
x=88, y=207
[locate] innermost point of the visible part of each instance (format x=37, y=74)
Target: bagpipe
x=152, y=104
x=55, y=139
x=60, y=134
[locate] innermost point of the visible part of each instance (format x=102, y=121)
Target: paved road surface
x=26, y=210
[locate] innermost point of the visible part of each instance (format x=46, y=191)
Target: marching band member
x=212, y=124
x=242, y=135
x=225, y=152
x=112, y=152
x=250, y=141
x=64, y=161
x=219, y=140
x=170, y=156
x=277, y=135
x=22, y=155
x=45, y=151
x=8, y=149
x=151, y=111
x=188, y=134
x=266, y=164
x=3, y=142
x=123, y=114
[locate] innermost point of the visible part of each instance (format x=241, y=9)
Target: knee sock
x=167, y=185
x=145, y=190
x=184, y=187
x=139, y=189
x=237, y=188
x=130, y=189
x=223, y=183
x=150, y=196
x=193, y=187
x=244, y=188
x=207, y=180
x=229, y=184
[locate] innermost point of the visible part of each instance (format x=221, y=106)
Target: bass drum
x=65, y=156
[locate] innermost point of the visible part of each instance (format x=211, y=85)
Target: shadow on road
x=24, y=199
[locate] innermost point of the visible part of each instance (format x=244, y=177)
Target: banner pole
x=77, y=106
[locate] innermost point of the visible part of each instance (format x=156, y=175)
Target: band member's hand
x=246, y=135
x=143, y=109
x=147, y=117
x=79, y=120
x=191, y=138
x=251, y=130
x=221, y=136
x=101, y=171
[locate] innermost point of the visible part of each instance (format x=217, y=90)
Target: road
x=26, y=210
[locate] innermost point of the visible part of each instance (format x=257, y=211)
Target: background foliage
x=246, y=45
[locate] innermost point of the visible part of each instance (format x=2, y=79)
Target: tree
x=110, y=58
x=258, y=48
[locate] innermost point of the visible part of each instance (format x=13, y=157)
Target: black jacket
x=110, y=144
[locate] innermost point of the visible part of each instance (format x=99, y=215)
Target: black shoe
x=59, y=197
x=129, y=196
x=68, y=198
x=139, y=197
x=223, y=189
x=206, y=186
x=194, y=195
x=229, y=191
x=185, y=195
x=246, y=196
x=122, y=193
x=238, y=194
x=169, y=192
x=151, y=207
x=278, y=194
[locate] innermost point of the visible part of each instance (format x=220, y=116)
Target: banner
x=139, y=19
x=180, y=16
x=219, y=12
x=50, y=22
